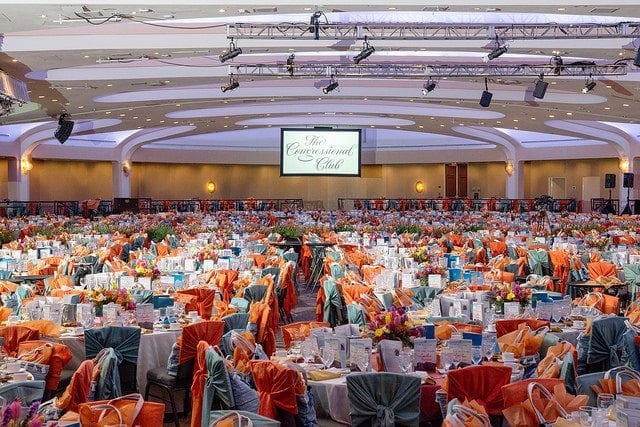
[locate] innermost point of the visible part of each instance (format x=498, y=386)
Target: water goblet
x=476, y=355
x=327, y=356
x=446, y=359
x=605, y=401
x=405, y=360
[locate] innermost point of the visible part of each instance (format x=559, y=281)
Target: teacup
x=508, y=357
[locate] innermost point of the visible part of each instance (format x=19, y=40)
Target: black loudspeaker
x=627, y=180
x=540, y=89
x=121, y=205
x=65, y=127
x=610, y=180
x=485, y=99
x=637, y=61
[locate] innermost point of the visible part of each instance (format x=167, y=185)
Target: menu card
x=189, y=264
x=145, y=315
x=34, y=310
x=53, y=312
x=424, y=354
x=461, y=349
x=390, y=355
x=339, y=346
x=110, y=313
x=145, y=282
x=435, y=280
x=85, y=315
x=360, y=354
x=348, y=330
x=436, y=310
x=544, y=310
x=479, y=310
x=207, y=265
x=511, y=310
x=126, y=282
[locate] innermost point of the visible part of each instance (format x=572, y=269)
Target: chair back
x=299, y=330
x=584, y=383
x=210, y=331
x=384, y=399
x=235, y=321
x=482, y=383
x=217, y=391
x=125, y=341
x=276, y=387
x=13, y=335
x=79, y=388
x=60, y=356
x=516, y=393
x=24, y=391
x=505, y=326
x=607, y=347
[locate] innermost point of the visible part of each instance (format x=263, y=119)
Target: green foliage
x=406, y=228
x=158, y=232
x=344, y=227
x=6, y=236
x=288, y=232
x=101, y=228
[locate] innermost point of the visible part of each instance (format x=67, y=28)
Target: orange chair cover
x=561, y=267
x=78, y=390
x=504, y=326
x=498, y=248
x=276, y=386
x=520, y=342
x=209, y=331
x=60, y=356
x=482, y=383
x=353, y=293
x=13, y=335
x=306, y=257
x=601, y=269
x=548, y=368
x=204, y=299
x=5, y=313
x=197, y=386
x=287, y=285
x=444, y=329
x=47, y=328
x=292, y=330
x=369, y=273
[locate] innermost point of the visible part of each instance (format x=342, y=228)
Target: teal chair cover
x=356, y=315
x=387, y=300
x=235, y=321
x=549, y=340
x=241, y=304
x=257, y=420
x=337, y=271
x=538, y=260
x=274, y=271
x=291, y=256
x=22, y=292
x=254, y=293
x=108, y=382
x=632, y=349
x=606, y=346
x=568, y=373
x=422, y=294
x=4, y=274
x=332, y=309
x=260, y=248
x=24, y=391
x=217, y=386
x=632, y=275
x=383, y=399
x=125, y=342
x=142, y=296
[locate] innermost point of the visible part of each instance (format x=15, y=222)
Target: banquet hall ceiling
x=142, y=82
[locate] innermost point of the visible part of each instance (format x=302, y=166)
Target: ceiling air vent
x=265, y=9
x=603, y=10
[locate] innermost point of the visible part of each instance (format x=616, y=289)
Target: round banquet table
x=154, y=352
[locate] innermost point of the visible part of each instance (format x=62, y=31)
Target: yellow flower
x=387, y=318
x=511, y=296
x=378, y=332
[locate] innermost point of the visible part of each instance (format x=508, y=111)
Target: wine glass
x=476, y=355
x=455, y=359
x=327, y=356
x=605, y=401
x=405, y=360
x=446, y=359
x=489, y=345
x=306, y=350
x=363, y=363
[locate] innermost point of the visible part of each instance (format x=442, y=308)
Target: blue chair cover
x=108, y=382
x=607, y=345
x=216, y=386
x=568, y=373
x=538, y=260
x=422, y=294
x=241, y=304
x=633, y=351
x=4, y=274
x=549, y=340
x=632, y=275
x=383, y=399
x=355, y=314
x=332, y=309
x=260, y=248
x=337, y=271
x=584, y=383
x=235, y=321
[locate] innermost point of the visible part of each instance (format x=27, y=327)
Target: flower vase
x=498, y=309
x=98, y=310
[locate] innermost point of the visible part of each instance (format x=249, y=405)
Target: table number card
x=145, y=316
x=424, y=354
x=461, y=349
x=435, y=280
x=339, y=346
x=145, y=282
x=127, y=282
x=360, y=354
x=511, y=310
x=110, y=313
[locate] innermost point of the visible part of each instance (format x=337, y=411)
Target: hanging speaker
x=65, y=127
x=540, y=89
x=485, y=99
x=610, y=180
x=637, y=61
x=627, y=180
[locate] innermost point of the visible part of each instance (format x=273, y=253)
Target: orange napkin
x=520, y=342
x=608, y=385
x=523, y=414
x=549, y=366
x=467, y=420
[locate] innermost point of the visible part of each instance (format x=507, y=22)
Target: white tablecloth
x=154, y=352
x=331, y=400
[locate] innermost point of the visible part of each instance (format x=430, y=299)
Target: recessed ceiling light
x=68, y=88
x=551, y=116
x=371, y=126
x=499, y=121
x=175, y=123
x=81, y=107
x=54, y=100
x=14, y=60
x=625, y=105
x=135, y=117
x=441, y=126
x=107, y=112
x=161, y=121
x=122, y=115
x=533, y=118
x=307, y=8
x=397, y=127
x=245, y=126
x=432, y=118
x=607, y=108
x=43, y=16
x=569, y=113
x=421, y=127
x=516, y=127
x=40, y=96
x=515, y=120
x=392, y=8
x=561, y=9
x=109, y=85
x=147, y=120
x=226, y=126
x=222, y=10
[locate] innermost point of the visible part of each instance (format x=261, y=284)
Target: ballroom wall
x=76, y=180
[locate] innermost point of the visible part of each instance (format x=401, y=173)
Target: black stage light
x=233, y=84
x=333, y=84
x=541, y=88
x=499, y=51
x=428, y=87
x=367, y=51
x=290, y=64
x=485, y=99
x=231, y=53
x=65, y=127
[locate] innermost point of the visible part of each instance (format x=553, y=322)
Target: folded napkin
x=322, y=375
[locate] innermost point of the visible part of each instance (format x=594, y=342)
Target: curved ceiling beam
x=625, y=145
x=510, y=146
x=129, y=145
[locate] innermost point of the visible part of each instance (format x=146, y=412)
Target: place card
x=145, y=282
x=511, y=310
x=389, y=351
x=544, y=310
x=126, y=282
x=435, y=280
x=224, y=263
x=52, y=312
x=189, y=264
x=347, y=330
x=360, y=354
x=407, y=280
x=207, y=265
x=424, y=354
x=339, y=347
x=461, y=350
x=110, y=313
x=145, y=315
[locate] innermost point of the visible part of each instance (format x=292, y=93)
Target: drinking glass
x=605, y=402
x=405, y=360
x=363, y=363
x=306, y=350
x=476, y=355
x=446, y=359
x=327, y=356
x=489, y=347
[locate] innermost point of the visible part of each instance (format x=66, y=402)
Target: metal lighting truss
x=421, y=71
x=389, y=31
x=12, y=91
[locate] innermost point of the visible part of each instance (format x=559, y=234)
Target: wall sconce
x=211, y=187
x=623, y=164
x=126, y=168
x=25, y=165
x=420, y=187
x=508, y=168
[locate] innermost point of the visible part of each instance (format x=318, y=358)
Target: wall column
x=17, y=182
x=515, y=179
x=121, y=179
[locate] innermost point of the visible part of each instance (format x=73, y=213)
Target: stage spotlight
x=65, y=127
x=231, y=53
x=541, y=87
x=428, y=87
x=637, y=61
x=558, y=64
x=499, y=51
x=333, y=84
x=290, y=67
x=589, y=85
x=233, y=84
x=366, y=52
x=485, y=99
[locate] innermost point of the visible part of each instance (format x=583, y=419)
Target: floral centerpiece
x=100, y=296
x=509, y=292
x=428, y=269
x=11, y=416
x=393, y=325
x=421, y=254
x=145, y=268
